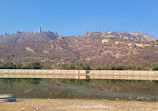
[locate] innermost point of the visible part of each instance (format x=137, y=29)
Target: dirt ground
x=78, y=105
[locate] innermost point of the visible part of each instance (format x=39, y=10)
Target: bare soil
x=77, y=105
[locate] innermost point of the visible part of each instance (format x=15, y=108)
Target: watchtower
x=4, y=33
x=140, y=32
x=39, y=29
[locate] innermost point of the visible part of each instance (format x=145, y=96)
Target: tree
x=112, y=67
x=75, y=66
x=139, y=68
x=33, y=65
x=8, y=65
x=154, y=66
x=63, y=66
x=79, y=66
x=98, y=68
x=72, y=66
x=86, y=66
x=18, y=66
x=105, y=67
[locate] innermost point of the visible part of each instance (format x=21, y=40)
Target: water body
x=79, y=89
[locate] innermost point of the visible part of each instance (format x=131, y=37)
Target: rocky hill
x=96, y=48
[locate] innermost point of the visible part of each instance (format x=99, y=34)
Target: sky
x=75, y=17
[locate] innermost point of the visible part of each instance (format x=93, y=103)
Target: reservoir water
x=80, y=89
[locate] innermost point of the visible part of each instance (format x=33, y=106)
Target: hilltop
x=96, y=48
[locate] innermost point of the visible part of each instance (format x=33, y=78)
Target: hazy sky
x=73, y=17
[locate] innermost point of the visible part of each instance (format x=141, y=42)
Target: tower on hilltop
x=140, y=32
x=39, y=29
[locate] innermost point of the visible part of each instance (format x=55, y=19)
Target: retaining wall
x=79, y=74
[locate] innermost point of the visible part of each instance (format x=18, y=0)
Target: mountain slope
x=96, y=48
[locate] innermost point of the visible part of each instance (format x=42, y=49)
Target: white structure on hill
x=39, y=29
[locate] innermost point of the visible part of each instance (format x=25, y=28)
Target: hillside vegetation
x=95, y=48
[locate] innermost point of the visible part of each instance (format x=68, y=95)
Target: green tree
x=139, y=68
x=33, y=65
x=98, y=68
x=112, y=67
x=86, y=66
x=8, y=65
x=154, y=66
x=79, y=66
x=72, y=66
x=18, y=66
x=63, y=66
x=105, y=67
x=75, y=66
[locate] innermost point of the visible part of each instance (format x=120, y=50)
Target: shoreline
x=77, y=104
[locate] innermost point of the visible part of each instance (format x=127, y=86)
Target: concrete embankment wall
x=123, y=74
x=79, y=74
x=29, y=73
